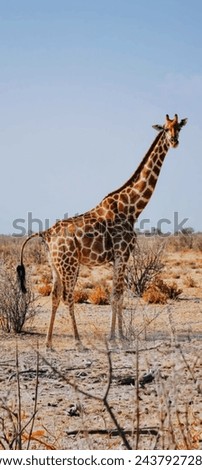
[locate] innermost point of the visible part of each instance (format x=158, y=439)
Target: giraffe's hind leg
x=68, y=284
x=68, y=300
x=56, y=296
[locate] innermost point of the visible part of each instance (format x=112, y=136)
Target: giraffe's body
x=104, y=234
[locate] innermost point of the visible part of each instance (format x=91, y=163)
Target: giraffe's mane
x=137, y=172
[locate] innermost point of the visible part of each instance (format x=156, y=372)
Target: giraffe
x=104, y=234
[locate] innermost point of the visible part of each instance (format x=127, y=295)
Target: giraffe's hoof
x=112, y=341
x=112, y=338
x=49, y=347
x=81, y=347
x=112, y=344
x=123, y=337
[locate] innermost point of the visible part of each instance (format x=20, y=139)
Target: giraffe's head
x=172, y=127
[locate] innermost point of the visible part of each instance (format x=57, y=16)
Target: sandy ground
x=161, y=410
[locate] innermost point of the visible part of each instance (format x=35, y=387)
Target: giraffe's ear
x=157, y=127
x=183, y=122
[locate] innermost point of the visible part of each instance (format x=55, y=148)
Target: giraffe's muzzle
x=174, y=141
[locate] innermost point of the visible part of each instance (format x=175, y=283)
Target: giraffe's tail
x=20, y=268
x=21, y=277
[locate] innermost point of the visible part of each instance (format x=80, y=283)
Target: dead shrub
x=100, y=294
x=9, y=249
x=15, y=307
x=185, y=240
x=159, y=292
x=17, y=426
x=146, y=264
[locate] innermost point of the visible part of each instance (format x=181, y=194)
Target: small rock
x=74, y=410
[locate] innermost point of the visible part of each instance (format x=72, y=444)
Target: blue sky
x=81, y=83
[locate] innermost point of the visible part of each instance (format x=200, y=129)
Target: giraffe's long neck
x=133, y=196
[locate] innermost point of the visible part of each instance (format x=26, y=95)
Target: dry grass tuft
x=45, y=290
x=159, y=292
x=190, y=282
x=185, y=240
x=80, y=296
x=100, y=294
x=153, y=295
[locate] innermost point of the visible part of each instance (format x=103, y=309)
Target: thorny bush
x=145, y=265
x=15, y=307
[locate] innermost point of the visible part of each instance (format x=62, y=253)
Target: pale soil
x=165, y=338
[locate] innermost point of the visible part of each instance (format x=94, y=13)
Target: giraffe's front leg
x=113, y=317
x=117, y=298
x=117, y=307
x=72, y=315
x=78, y=341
